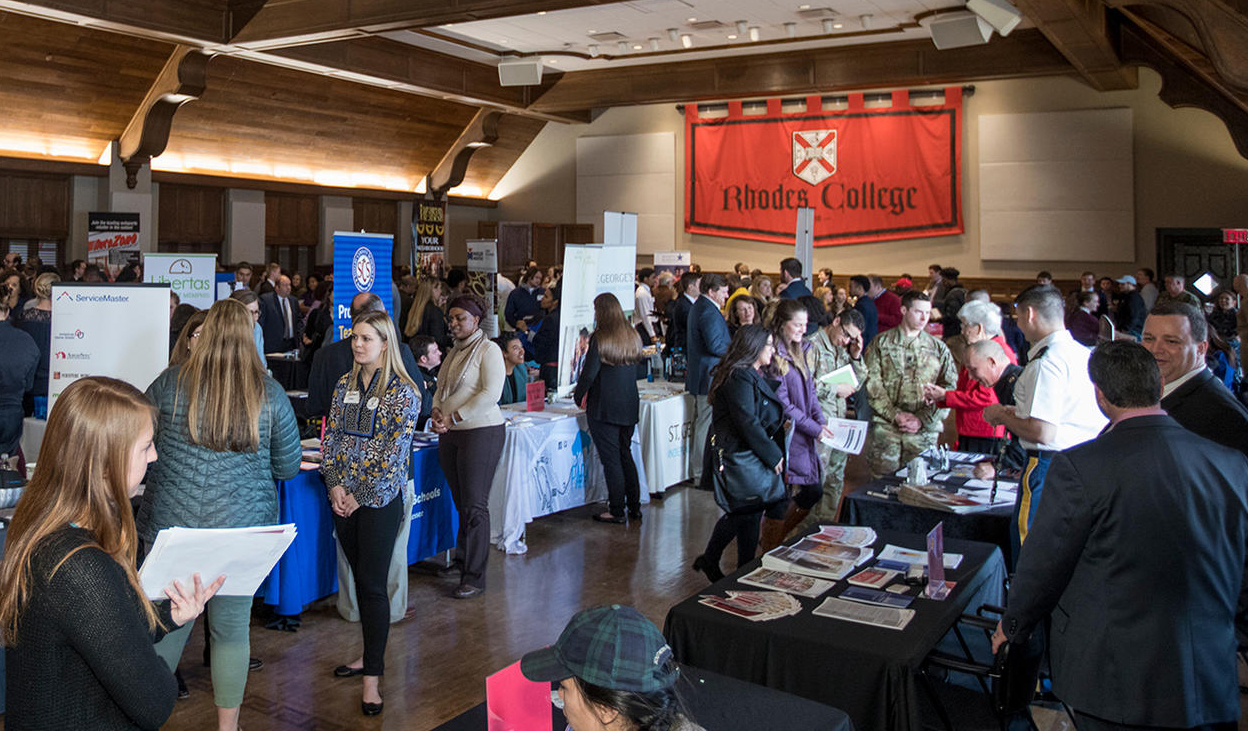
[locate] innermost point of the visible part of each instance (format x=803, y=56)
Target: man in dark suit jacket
x=334, y=360
x=792, y=286
x=708, y=341
x=1137, y=551
x=1177, y=335
x=688, y=287
x=279, y=318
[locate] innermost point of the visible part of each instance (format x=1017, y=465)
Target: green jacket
x=192, y=486
x=828, y=358
x=897, y=368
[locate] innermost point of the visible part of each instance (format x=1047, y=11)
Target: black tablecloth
x=868, y=672
x=717, y=703
x=991, y=526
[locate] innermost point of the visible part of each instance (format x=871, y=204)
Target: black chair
x=1009, y=682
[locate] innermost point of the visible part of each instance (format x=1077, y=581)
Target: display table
x=715, y=702
x=32, y=437
x=309, y=569
x=548, y=465
x=868, y=672
x=666, y=432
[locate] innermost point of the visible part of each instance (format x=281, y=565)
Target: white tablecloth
x=548, y=465
x=665, y=430
x=32, y=437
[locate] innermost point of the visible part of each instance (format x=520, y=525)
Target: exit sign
x=1235, y=235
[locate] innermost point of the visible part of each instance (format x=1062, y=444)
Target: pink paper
x=515, y=703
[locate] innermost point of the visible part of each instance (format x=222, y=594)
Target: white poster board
x=191, y=276
x=115, y=330
x=619, y=228
x=588, y=271
x=483, y=280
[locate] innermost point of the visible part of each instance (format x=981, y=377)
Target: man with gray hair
x=1055, y=406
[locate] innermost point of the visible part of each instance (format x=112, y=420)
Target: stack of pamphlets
x=874, y=577
x=911, y=556
x=756, y=606
x=846, y=535
x=861, y=613
x=807, y=586
x=815, y=558
x=937, y=498
x=875, y=596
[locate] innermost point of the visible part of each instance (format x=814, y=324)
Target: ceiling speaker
x=955, y=30
x=520, y=71
x=1000, y=14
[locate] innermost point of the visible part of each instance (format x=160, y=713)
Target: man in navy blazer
x=792, y=286
x=688, y=287
x=1177, y=335
x=279, y=315
x=707, y=338
x=1137, y=555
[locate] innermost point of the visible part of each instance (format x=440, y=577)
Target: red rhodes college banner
x=870, y=175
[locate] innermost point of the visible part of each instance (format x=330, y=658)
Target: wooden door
x=1196, y=252
x=515, y=246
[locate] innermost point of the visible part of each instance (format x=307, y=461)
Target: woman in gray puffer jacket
x=224, y=432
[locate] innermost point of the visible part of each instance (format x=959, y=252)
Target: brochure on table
x=191, y=276
x=361, y=264
x=107, y=330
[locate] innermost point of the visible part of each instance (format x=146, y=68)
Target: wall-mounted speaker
x=1000, y=14
x=955, y=30
x=520, y=71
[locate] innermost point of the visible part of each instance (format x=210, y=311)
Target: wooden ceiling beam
x=194, y=22
x=481, y=132
x=431, y=74
x=1221, y=28
x=1078, y=28
x=1024, y=53
x=297, y=22
x=183, y=79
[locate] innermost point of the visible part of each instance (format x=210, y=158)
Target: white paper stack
x=244, y=555
x=874, y=615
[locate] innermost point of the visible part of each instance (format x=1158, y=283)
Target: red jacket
x=888, y=306
x=969, y=399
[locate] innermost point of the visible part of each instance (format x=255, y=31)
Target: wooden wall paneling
x=375, y=215
x=487, y=229
x=291, y=220
x=34, y=206
x=515, y=245
x=191, y=214
x=547, y=244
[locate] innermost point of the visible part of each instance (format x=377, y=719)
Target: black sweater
x=84, y=658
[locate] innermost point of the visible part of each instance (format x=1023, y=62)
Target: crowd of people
x=1035, y=383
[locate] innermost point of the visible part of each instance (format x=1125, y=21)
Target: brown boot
x=772, y=534
x=794, y=516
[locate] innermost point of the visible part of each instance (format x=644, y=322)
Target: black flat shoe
x=608, y=518
x=634, y=515
x=656, y=496
x=466, y=591
x=346, y=671
x=703, y=564
x=372, y=709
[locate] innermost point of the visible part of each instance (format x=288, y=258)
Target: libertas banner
x=870, y=174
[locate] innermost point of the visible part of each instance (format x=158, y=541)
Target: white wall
x=337, y=214
x=1187, y=174
x=244, y=227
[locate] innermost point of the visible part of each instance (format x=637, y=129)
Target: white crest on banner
x=814, y=155
x=363, y=269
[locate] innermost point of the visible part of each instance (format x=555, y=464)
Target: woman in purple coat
x=793, y=365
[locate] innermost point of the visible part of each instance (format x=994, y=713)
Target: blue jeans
x=1028, y=501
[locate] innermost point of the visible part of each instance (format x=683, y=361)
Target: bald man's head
x=365, y=302
x=985, y=361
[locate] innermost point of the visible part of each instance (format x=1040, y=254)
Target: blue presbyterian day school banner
x=361, y=264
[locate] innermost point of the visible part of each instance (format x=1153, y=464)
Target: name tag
x=352, y=397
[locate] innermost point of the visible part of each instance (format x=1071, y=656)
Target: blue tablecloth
x=309, y=569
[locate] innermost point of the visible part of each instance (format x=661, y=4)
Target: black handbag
x=742, y=482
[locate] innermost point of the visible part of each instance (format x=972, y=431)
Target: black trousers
x=367, y=539
x=982, y=445
x=742, y=526
x=468, y=460
x=614, y=443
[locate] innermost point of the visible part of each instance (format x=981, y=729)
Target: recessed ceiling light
x=803, y=7
x=541, y=12
x=591, y=31
x=636, y=48
x=732, y=36
x=449, y=25
x=693, y=20
x=838, y=26
x=553, y=60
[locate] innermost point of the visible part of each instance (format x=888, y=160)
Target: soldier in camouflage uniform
x=836, y=346
x=899, y=362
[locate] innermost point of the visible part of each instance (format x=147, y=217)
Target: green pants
x=890, y=449
x=229, y=629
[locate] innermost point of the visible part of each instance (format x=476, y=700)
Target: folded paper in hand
x=847, y=435
x=844, y=374
x=244, y=555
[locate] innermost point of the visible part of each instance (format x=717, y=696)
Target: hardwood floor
x=437, y=660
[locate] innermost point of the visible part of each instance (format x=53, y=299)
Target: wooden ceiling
x=307, y=91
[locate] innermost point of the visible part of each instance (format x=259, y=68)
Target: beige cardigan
x=470, y=383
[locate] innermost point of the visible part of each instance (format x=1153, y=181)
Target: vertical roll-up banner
x=588, y=271
x=361, y=264
x=676, y=262
x=115, y=330
x=869, y=174
x=191, y=276
x=482, y=280
x=429, y=238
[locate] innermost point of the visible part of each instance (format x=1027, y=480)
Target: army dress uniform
x=827, y=358
x=897, y=368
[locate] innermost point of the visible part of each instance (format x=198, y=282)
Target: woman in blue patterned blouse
x=367, y=450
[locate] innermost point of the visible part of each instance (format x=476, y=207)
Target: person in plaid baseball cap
x=614, y=670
